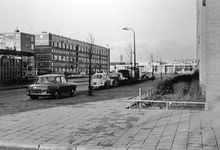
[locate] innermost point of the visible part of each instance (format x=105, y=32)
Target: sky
x=164, y=28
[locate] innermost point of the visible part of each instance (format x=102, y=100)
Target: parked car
x=100, y=80
x=83, y=74
x=53, y=85
x=150, y=76
x=29, y=76
x=117, y=79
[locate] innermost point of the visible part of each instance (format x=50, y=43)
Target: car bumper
x=97, y=86
x=42, y=93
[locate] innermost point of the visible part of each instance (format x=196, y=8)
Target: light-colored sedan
x=100, y=80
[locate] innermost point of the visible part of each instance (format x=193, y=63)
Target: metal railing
x=143, y=97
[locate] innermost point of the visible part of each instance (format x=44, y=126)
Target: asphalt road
x=15, y=101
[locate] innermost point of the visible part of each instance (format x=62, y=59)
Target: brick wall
x=211, y=57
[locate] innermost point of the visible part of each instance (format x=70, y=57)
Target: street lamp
x=127, y=28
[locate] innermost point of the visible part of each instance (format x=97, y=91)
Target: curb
x=25, y=86
x=18, y=144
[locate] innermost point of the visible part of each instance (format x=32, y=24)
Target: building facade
x=16, y=55
x=184, y=66
x=58, y=54
x=208, y=50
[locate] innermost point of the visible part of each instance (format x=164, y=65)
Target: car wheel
x=56, y=95
x=33, y=97
x=113, y=84
x=105, y=85
x=72, y=93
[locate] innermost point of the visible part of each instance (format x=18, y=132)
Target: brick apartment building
x=58, y=54
x=16, y=55
x=208, y=50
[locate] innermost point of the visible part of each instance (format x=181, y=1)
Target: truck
x=132, y=76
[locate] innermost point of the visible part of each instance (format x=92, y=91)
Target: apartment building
x=59, y=54
x=208, y=52
x=16, y=55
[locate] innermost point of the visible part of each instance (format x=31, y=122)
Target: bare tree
x=152, y=62
x=91, y=42
x=129, y=53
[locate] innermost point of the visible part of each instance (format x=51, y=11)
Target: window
x=55, y=44
x=41, y=64
x=58, y=80
x=41, y=57
x=55, y=57
x=41, y=36
x=59, y=45
x=32, y=46
x=32, y=38
x=63, y=80
x=17, y=36
x=1, y=37
x=41, y=50
x=9, y=36
x=17, y=46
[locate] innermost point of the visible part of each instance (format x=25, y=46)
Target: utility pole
x=161, y=69
x=90, y=71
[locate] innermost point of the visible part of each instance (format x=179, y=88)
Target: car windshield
x=97, y=76
x=113, y=75
x=45, y=80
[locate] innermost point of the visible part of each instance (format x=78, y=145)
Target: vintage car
x=53, y=85
x=117, y=79
x=100, y=80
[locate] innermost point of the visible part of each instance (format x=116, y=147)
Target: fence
x=143, y=98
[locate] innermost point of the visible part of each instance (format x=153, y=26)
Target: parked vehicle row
x=55, y=85
x=122, y=77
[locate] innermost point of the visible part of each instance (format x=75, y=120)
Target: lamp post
x=127, y=28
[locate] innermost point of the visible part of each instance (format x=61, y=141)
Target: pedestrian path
x=107, y=125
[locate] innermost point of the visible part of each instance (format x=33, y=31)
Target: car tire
x=105, y=85
x=113, y=84
x=56, y=95
x=116, y=84
x=72, y=93
x=33, y=97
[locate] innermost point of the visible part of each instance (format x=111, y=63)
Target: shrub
x=182, y=87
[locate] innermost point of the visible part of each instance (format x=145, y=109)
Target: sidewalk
x=25, y=85
x=107, y=125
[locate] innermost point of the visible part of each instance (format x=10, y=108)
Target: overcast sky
x=166, y=28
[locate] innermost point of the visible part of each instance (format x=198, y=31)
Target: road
x=15, y=101
x=19, y=94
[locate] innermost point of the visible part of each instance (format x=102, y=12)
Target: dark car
x=53, y=85
x=117, y=79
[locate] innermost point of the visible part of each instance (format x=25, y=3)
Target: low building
x=16, y=55
x=184, y=66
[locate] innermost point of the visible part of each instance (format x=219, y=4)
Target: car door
x=60, y=84
x=108, y=80
x=66, y=86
